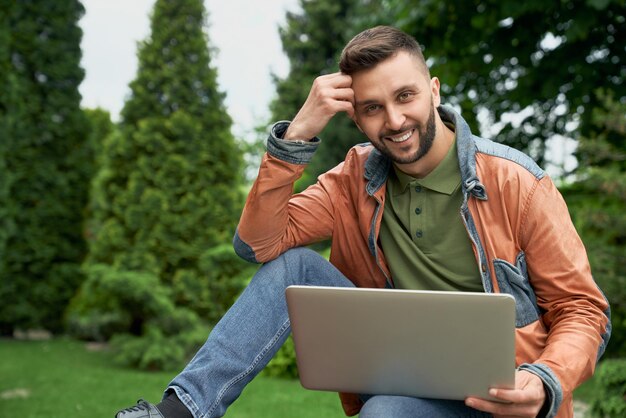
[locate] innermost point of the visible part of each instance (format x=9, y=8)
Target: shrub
x=135, y=311
x=162, y=346
x=610, y=397
x=284, y=362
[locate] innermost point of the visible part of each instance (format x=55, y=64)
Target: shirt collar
x=445, y=178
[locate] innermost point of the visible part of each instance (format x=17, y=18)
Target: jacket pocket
x=513, y=279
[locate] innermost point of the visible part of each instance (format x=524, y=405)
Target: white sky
x=245, y=32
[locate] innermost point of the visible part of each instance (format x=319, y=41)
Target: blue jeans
x=250, y=334
x=407, y=407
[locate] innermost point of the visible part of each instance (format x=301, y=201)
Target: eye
x=373, y=108
x=405, y=96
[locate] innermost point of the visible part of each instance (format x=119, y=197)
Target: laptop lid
x=446, y=345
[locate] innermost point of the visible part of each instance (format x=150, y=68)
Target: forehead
x=387, y=77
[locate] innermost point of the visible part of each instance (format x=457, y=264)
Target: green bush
x=610, y=397
x=115, y=301
x=284, y=362
x=223, y=276
x=160, y=349
x=147, y=330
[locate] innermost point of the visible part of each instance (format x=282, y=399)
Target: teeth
x=403, y=137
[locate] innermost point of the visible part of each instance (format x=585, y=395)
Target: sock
x=172, y=407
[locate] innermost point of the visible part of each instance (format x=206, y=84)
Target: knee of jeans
x=300, y=258
x=298, y=265
x=298, y=253
x=292, y=261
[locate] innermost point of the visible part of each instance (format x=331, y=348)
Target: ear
x=434, y=90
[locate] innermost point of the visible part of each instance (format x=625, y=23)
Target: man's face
x=395, y=107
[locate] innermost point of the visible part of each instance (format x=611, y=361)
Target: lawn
x=61, y=378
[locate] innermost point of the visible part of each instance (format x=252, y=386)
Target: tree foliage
x=609, y=401
x=597, y=202
x=528, y=68
x=43, y=162
x=540, y=60
x=164, y=200
x=9, y=111
x=100, y=127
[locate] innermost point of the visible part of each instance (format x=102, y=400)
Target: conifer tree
x=42, y=129
x=8, y=112
x=165, y=202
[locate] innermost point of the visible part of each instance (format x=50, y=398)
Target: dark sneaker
x=143, y=409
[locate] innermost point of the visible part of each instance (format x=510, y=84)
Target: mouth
x=401, y=137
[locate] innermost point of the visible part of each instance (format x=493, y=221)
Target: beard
x=426, y=138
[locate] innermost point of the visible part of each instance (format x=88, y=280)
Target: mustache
x=392, y=132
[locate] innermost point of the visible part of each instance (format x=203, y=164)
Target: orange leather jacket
x=524, y=241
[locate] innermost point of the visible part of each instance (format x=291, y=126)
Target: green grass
x=61, y=378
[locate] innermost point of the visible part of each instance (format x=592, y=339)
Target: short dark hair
x=372, y=46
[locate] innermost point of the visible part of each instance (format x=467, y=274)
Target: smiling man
x=425, y=205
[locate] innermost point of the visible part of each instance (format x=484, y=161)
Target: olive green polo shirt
x=422, y=234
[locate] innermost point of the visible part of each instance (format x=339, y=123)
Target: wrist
x=293, y=134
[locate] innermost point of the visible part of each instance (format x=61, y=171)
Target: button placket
x=417, y=205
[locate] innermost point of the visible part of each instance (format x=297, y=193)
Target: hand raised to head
x=329, y=95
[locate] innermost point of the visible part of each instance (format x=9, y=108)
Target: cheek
x=371, y=134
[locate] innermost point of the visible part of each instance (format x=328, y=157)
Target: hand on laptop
x=525, y=400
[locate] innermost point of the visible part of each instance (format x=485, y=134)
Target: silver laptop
x=445, y=345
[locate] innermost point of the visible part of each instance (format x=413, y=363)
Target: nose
x=394, y=118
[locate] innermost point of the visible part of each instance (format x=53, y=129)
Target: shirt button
x=418, y=211
x=418, y=233
x=418, y=189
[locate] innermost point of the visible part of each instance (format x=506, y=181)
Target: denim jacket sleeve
x=294, y=152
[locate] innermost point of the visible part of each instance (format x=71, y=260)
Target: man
x=426, y=206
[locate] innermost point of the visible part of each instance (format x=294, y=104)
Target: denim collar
x=378, y=165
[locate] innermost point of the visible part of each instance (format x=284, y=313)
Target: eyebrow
x=395, y=93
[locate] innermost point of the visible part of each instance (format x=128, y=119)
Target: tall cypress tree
x=165, y=201
x=8, y=114
x=44, y=127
